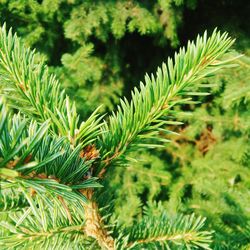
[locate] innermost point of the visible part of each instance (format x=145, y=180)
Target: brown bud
x=42, y=176
x=89, y=152
x=28, y=158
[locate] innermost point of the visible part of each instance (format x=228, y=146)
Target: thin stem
x=182, y=236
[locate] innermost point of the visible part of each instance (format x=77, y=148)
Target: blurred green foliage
x=88, y=43
x=101, y=49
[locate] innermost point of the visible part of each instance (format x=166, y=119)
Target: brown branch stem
x=94, y=226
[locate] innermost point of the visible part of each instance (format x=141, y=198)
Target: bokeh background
x=100, y=50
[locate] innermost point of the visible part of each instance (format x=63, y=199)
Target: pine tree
x=54, y=168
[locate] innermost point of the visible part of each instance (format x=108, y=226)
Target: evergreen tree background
x=100, y=50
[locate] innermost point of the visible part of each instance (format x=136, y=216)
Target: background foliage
x=101, y=49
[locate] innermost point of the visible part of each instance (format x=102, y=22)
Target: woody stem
x=94, y=226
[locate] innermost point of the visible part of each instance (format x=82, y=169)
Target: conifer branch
x=41, y=224
x=38, y=165
x=28, y=87
x=153, y=232
x=29, y=151
x=138, y=123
